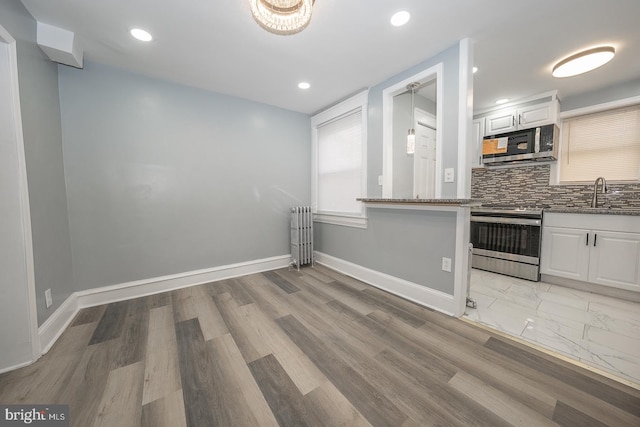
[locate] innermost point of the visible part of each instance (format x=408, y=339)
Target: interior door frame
x=25, y=208
x=424, y=76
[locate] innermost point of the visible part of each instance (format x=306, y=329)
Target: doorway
x=18, y=322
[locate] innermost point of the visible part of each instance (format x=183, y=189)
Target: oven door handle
x=501, y=220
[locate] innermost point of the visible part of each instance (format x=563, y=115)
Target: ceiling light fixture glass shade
x=282, y=16
x=584, y=61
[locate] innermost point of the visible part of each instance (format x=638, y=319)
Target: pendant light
x=411, y=135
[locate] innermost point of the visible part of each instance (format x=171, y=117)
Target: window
x=339, y=162
x=605, y=143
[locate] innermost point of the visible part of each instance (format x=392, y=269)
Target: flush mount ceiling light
x=584, y=61
x=282, y=16
x=400, y=18
x=141, y=35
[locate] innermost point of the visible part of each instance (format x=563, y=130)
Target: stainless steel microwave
x=535, y=144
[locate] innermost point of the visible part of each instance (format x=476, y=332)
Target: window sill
x=344, y=220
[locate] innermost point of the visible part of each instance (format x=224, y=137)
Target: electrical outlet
x=446, y=264
x=449, y=175
x=47, y=298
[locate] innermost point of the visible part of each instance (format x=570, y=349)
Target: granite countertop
x=451, y=202
x=600, y=211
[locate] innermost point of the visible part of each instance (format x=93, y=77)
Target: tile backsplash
x=529, y=186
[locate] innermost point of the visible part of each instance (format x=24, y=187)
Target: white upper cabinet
x=501, y=122
x=522, y=117
x=538, y=115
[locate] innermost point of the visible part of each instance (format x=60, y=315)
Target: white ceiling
x=349, y=44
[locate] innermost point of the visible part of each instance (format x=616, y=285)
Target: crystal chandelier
x=282, y=16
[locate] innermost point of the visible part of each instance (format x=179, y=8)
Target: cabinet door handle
x=513, y=120
x=595, y=240
x=587, y=244
x=519, y=119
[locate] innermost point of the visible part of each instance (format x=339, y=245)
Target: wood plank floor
x=308, y=348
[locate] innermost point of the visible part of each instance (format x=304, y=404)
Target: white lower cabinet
x=594, y=254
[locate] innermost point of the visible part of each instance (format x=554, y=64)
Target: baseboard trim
x=419, y=294
x=141, y=288
x=53, y=327
x=14, y=367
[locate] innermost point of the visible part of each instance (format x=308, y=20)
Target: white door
x=424, y=160
x=17, y=295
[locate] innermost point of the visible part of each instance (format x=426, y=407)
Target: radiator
x=301, y=236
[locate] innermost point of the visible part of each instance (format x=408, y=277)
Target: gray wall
x=613, y=93
x=449, y=131
x=408, y=245
x=165, y=179
x=40, y=110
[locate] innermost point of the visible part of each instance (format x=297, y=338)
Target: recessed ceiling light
x=502, y=101
x=304, y=85
x=475, y=70
x=141, y=35
x=584, y=61
x=400, y=18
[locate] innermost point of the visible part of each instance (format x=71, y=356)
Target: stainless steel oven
x=507, y=241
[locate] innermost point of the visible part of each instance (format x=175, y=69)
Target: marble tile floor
x=599, y=331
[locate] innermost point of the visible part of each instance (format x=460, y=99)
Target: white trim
x=387, y=126
x=465, y=118
x=55, y=325
x=25, y=207
x=356, y=102
x=620, y=103
x=553, y=94
x=345, y=220
x=145, y=287
x=461, y=261
x=14, y=367
x=419, y=294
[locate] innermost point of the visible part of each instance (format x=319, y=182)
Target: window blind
x=340, y=164
x=601, y=144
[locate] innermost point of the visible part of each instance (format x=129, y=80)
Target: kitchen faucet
x=594, y=200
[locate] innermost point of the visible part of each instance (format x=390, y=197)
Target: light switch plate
x=446, y=264
x=449, y=175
